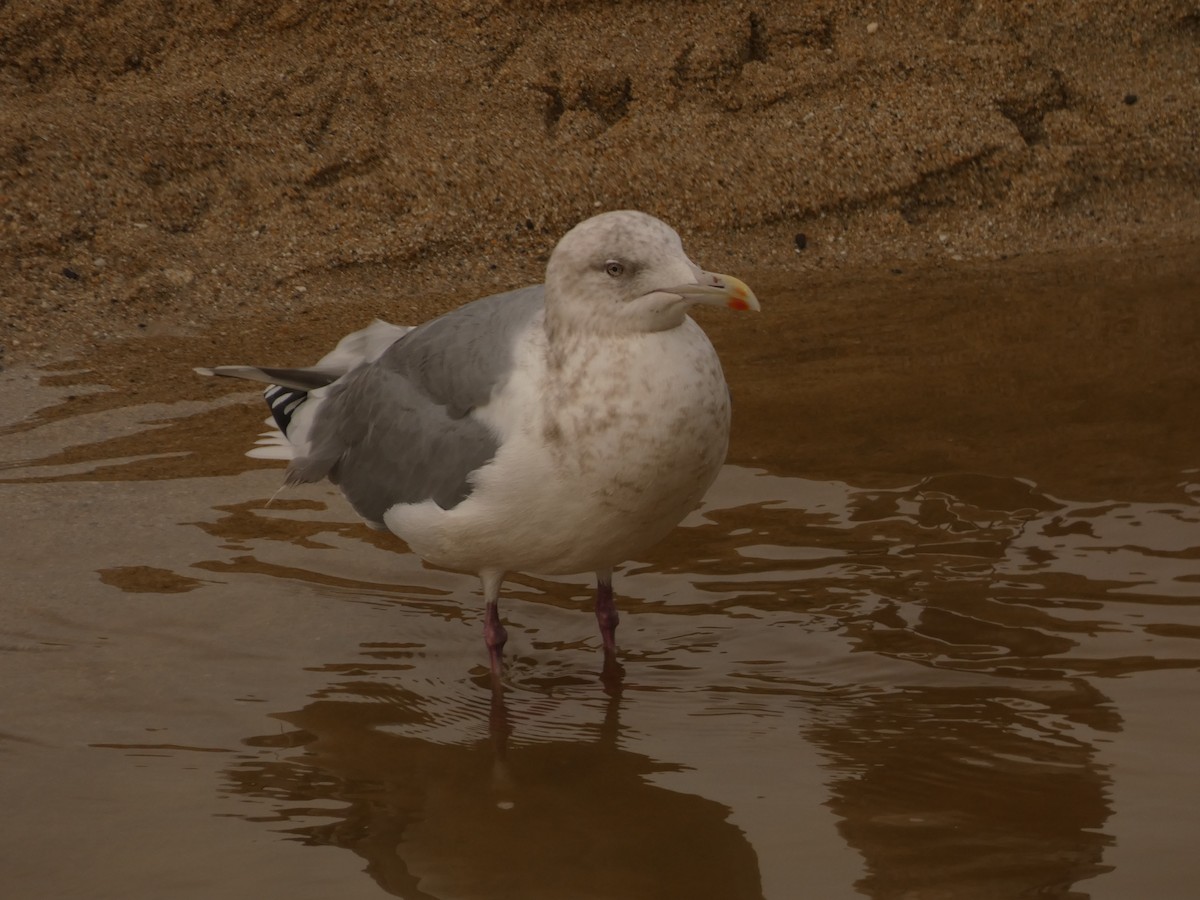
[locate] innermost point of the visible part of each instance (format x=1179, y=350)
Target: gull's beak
x=712, y=289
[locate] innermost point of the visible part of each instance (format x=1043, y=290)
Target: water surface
x=933, y=634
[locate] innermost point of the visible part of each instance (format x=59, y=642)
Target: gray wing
x=400, y=429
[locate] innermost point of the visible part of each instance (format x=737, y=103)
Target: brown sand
x=248, y=166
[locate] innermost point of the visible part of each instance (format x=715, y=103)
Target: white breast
x=603, y=452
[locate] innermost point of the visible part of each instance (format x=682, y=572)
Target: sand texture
x=188, y=165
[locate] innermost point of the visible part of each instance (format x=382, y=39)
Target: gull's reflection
x=494, y=815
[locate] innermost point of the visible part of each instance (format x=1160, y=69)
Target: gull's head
x=625, y=271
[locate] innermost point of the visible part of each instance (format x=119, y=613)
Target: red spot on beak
x=739, y=304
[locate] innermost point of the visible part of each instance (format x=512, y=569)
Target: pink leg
x=606, y=612
x=494, y=636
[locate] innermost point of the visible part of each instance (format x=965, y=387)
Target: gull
x=556, y=429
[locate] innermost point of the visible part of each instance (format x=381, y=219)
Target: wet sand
x=270, y=162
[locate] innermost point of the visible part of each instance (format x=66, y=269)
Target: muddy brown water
x=935, y=632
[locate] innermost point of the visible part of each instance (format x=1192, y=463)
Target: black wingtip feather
x=283, y=402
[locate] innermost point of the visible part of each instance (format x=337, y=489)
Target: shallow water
x=933, y=634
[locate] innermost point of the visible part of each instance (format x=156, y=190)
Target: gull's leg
x=606, y=611
x=494, y=634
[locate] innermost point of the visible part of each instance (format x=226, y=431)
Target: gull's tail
x=293, y=395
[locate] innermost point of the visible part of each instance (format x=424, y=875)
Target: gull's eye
x=614, y=268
